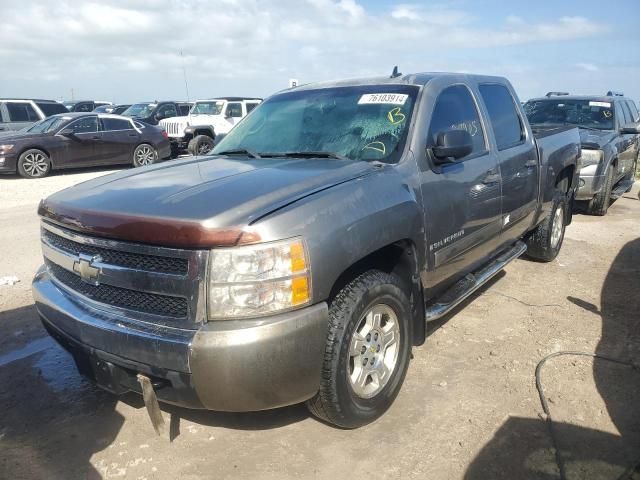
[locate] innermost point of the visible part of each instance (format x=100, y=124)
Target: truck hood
x=194, y=203
x=596, y=139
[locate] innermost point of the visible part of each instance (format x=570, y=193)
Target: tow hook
x=151, y=402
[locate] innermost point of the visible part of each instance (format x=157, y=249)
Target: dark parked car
x=153, y=112
x=18, y=113
x=303, y=258
x=74, y=140
x=114, y=109
x=610, y=135
x=84, y=105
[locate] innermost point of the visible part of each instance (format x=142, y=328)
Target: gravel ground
x=468, y=409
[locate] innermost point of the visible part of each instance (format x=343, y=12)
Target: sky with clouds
x=124, y=50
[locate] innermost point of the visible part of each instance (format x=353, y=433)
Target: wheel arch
x=399, y=258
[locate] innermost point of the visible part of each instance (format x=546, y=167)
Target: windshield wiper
x=240, y=151
x=306, y=154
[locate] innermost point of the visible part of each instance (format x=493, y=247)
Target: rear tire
x=367, y=351
x=543, y=244
x=34, y=163
x=599, y=204
x=144, y=154
x=200, y=145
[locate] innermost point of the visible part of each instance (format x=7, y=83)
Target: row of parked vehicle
x=92, y=135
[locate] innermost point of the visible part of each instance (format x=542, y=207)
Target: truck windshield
x=584, y=113
x=360, y=123
x=140, y=110
x=48, y=124
x=207, y=108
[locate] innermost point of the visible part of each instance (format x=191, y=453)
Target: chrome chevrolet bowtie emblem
x=84, y=267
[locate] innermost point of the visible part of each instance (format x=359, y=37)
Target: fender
x=345, y=223
x=192, y=129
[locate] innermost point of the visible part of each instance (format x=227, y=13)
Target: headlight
x=6, y=147
x=259, y=279
x=591, y=157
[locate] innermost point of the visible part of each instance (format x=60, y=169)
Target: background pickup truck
x=207, y=120
x=610, y=135
x=302, y=260
x=153, y=112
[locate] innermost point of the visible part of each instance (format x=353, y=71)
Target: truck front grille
x=175, y=307
x=151, y=263
x=147, y=283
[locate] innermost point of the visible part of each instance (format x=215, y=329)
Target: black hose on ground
x=545, y=407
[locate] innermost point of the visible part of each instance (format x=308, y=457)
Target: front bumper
x=8, y=163
x=589, y=185
x=238, y=365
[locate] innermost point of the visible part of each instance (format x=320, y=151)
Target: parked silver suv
x=16, y=114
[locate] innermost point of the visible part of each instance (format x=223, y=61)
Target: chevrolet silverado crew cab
x=302, y=259
x=196, y=133
x=610, y=135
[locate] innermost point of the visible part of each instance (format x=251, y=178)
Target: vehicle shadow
x=522, y=447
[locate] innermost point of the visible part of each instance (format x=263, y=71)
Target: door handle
x=492, y=177
x=533, y=162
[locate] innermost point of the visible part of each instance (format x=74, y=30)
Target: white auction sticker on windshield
x=388, y=98
x=600, y=104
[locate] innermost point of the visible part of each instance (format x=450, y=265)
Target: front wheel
x=144, y=154
x=200, y=145
x=34, y=163
x=599, y=204
x=545, y=241
x=367, y=351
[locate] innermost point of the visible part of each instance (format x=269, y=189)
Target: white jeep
x=207, y=120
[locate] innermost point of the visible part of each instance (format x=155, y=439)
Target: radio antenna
x=184, y=74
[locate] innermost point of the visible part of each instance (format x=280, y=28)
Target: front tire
x=34, y=163
x=367, y=351
x=144, y=154
x=599, y=204
x=200, y=145
x=545, y=241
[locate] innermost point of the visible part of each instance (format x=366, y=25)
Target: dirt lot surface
x=468, y=409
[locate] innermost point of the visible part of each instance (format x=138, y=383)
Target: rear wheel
x=545, y=241
x=367, y=351
x=599, y=204
x=144, y=154
x=34, y=163
x=200, y=145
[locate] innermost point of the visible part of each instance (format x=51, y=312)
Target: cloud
x=588, y=67
x=131, y=50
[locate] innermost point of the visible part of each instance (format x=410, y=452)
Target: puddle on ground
x=29, y=349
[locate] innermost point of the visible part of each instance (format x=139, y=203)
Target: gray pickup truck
x=302, y=260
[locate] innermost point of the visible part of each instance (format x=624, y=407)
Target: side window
x=21, y=112
x=250, y=106
x=628, y=117
x=634, y=110
x=505, y=121
x=168, y=111
x=234, y=110
x=456, y=110
x=85, y=125
x=115, y=124
x=620, y=115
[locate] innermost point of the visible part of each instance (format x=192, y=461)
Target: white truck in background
x=207, y=119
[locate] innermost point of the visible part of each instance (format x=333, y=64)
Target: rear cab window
x=506, y=124
x=455, y=109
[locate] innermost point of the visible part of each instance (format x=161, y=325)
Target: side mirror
x=67, y=132
x=452, y=146
x=632, y=128
x=158, y=116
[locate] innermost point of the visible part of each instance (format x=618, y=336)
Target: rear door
x=80, y=150
x=119, y=139
x=462, y=199
x=517, y=156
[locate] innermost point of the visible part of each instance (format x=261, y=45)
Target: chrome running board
x=470, y=283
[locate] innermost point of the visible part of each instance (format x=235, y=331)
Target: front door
x=518, y=160
x=627, y=144
x=80, y=149
x=462, y=199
